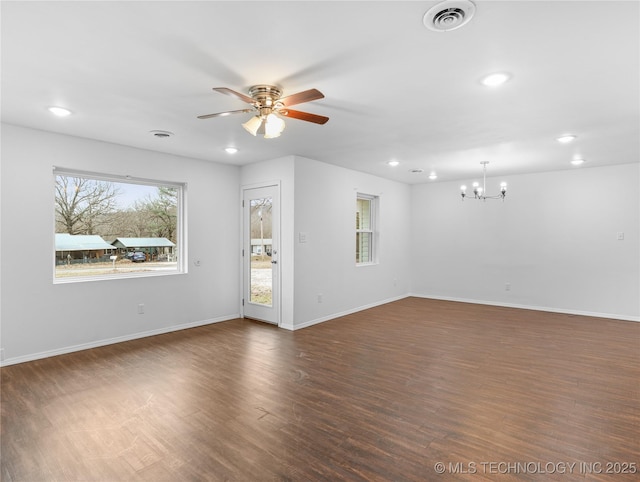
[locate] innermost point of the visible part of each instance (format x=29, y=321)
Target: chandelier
x=479, y=192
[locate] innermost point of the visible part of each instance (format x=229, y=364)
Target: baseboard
x=290, y=327
x=612, y=316
x=307, y=324
x=287, y=326
x=111, y=341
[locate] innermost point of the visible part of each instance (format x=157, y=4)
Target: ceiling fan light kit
x=252, y=125
x=273, y=126
x=267, y=106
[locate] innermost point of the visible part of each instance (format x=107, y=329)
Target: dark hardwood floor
x=382, y=395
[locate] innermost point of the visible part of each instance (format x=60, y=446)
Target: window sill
x=114, y=276
x=373, y=263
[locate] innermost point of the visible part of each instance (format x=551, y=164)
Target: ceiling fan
x=266, y=102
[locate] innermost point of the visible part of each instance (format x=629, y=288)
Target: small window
x=109, y=226
x=365, y=228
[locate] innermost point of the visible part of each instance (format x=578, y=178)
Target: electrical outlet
x=320, y=297
x=507, y=286
x=141, y=309
x=1, y=354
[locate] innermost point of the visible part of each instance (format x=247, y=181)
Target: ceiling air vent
x=161, y=134
x=449, y=15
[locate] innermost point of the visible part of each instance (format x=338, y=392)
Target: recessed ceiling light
x=433, y=176
x=577, y=161
x=566, y=138
x=59, y=111
x=230, y=150
x=161, y=134
x=393, y=163
x=495, y=79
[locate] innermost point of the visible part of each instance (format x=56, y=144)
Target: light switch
x=302, y=237
x=620, y=236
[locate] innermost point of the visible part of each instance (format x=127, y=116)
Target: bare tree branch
x=82, y=205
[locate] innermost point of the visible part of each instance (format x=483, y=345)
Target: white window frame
x=373, y=228
x=181, y=244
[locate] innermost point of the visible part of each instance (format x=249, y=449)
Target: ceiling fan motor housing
x=265, y=95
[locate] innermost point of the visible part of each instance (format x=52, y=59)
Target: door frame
x=276, y=228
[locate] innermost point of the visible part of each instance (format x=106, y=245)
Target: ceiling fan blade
x=223, y=114
x=300, y=97
x=305, y=116
x=233, y=93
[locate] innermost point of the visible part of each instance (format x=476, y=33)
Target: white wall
x=40, y=318
x=554, y=240
x=319, y=200
x=325, y=199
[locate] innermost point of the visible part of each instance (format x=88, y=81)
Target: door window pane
x=261, y=276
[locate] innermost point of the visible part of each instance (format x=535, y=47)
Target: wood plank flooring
x=381, y=395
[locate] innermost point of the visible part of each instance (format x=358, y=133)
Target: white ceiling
x=393, y=88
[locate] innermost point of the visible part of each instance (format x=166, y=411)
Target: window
x=109, y=226
x=365, y=228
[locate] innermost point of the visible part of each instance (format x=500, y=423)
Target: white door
x=261, y=273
